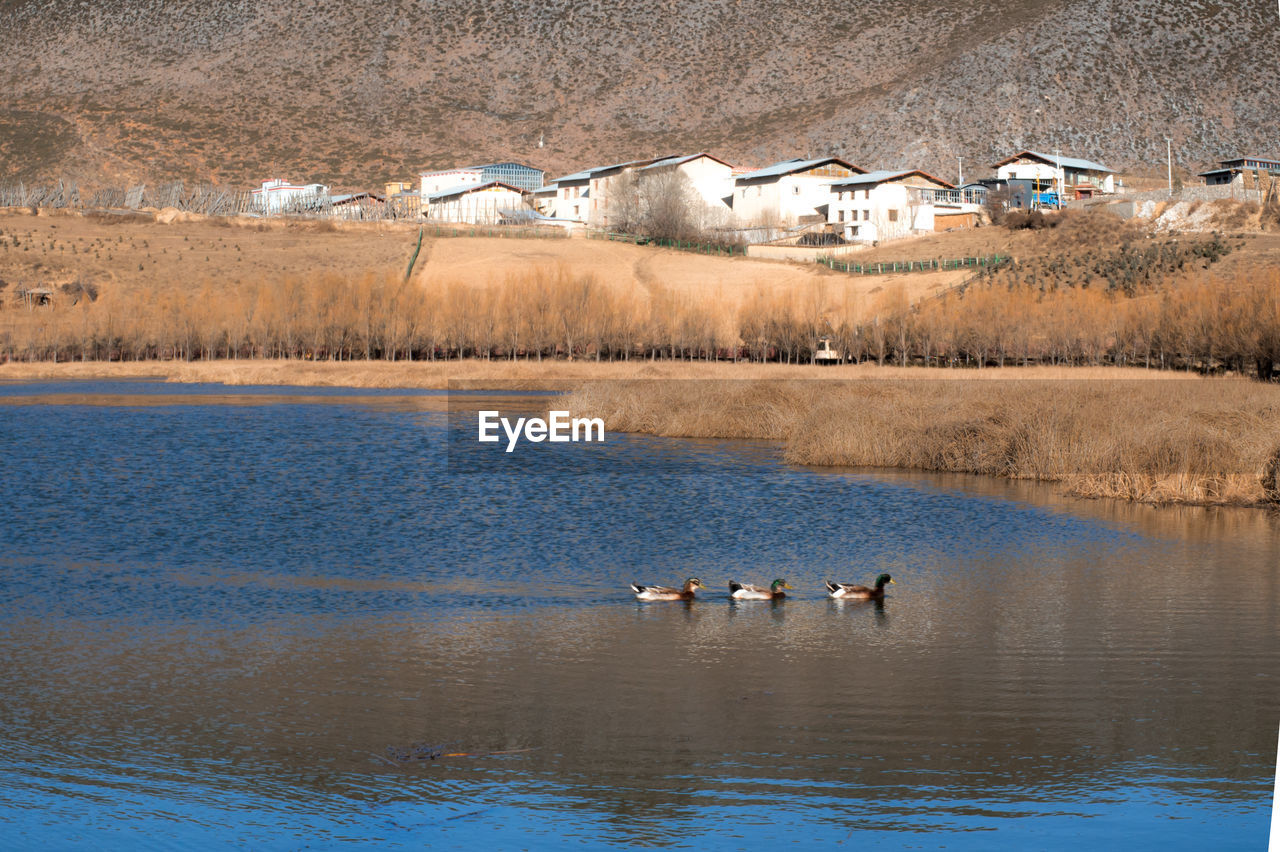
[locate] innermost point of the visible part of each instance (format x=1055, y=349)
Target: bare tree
x=624, y=203
x=997, y=204
x=670, y=206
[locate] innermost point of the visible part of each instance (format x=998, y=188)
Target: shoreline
x=473, y=374
x=1139, y=436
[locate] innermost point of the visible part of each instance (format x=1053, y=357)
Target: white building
x=433, y=182
x=470, y=204
x=890, y=204
x=569, y=199
x=788, y=193
x=711, y=178
x=1071, y=176
x=280, y=196
x=603, y=185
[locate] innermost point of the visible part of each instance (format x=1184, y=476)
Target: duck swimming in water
x=666, y=593
x=744, y=592
x=848, y=591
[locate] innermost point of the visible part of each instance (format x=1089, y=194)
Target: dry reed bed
x=1205, y=323
x=1196, y=441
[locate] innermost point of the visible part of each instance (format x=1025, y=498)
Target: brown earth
x=135, y=254
x=355, y=94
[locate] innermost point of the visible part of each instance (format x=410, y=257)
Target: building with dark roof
x=1239, y=170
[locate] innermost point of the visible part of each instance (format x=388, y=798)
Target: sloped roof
x=583, y=175
x=1059, y=161
x=587, y=174
x=1271, y=160
x=508, y=163
x=884, y=175
x=787, y=167
x=463, y=189
x=354, y=196
x=680, y=161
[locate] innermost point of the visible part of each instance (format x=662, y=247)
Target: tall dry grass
x=1205, y=323
x=1205, y=441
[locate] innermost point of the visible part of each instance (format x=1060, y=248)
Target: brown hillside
x=353, y=94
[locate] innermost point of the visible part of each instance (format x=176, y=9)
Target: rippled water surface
x=278, y=618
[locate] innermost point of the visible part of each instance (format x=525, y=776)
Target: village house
x=586, y=196
x=543, y=198
x=280, y=196
x=474, y=204
x=710, y=177
x=1066, y=177
x=788, y=193
x=889, y=204
x=433, y=182
x=404, y=199
x=566, y=197
x=357, y=205
x=603, y=186
x=1240, y=171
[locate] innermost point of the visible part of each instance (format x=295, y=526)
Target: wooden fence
x=912, y=265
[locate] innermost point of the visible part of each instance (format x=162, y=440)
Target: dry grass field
x=1112, y=433
x=129, y=256
x=729, y=281
x=135, y=255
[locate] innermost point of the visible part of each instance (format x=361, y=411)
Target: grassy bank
x=503, y=375
x=1199, y=441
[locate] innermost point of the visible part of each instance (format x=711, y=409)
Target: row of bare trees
x=1207, y=324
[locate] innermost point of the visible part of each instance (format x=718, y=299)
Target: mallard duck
x=666, y=593
x=744, y=592
x=859, y=593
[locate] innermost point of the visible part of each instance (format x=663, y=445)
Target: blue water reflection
x=221, y=623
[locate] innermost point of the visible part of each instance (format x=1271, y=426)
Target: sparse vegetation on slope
x=359, y=93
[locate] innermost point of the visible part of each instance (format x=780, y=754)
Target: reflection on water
x=216, y=621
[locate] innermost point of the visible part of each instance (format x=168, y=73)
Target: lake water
x=278, y=617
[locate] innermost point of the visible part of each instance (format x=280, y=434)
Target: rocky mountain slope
x=354, y=94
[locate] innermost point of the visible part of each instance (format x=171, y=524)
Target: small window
x=795, y=190
x=893, y=215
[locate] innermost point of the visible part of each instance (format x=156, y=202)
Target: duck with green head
x=848, y=591
x=744, y=592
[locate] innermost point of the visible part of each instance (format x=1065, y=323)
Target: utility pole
x=1062, y=176
x=960, y=179
x=1169, y=158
